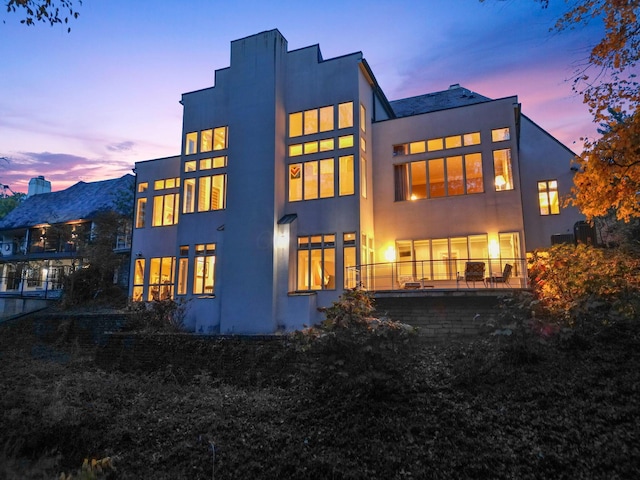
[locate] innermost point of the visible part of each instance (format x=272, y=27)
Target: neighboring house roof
x=82, y=201
x=455, y=96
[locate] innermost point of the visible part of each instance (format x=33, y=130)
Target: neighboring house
x=297, y=179
x=42, y=239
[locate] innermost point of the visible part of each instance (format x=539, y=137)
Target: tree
x=46, y=11
x=8, y=203
x=608, y=177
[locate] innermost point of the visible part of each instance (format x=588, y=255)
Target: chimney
x=38, y=185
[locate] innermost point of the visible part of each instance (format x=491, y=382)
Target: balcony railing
x=446, y=274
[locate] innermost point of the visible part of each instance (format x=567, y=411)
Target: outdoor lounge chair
x=473, y=272
x=504, y=278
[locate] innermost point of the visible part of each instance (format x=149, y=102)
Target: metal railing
x=438, y=274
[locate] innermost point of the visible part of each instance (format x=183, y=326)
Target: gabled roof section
x=82, y=201
x=454, y=96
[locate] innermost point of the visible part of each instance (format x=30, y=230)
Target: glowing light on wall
x=282, y=240
x=494, y=248
x=390, y=254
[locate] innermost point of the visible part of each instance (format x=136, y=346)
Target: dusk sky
x=86, y=105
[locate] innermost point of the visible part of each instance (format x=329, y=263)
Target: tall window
x=347, y=181
x=210, y=139
x=211, y=193
x=349, y=259
x=189, y=201
x=141, y=210
x=161, y=274
x=138, y=279
x=317, y=262
x=503, y=179
x=548, y=197
x=165, y=209
x=363, y=118
x=204, y=269
x=311, y=121
x=345, y=115
x=363, y=176
x=183, y=270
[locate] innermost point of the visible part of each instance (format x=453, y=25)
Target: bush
x=158, y=316
x=354, y=352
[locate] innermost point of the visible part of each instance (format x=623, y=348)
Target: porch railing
x=437, y=274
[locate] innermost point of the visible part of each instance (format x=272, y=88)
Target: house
x=297, y=178
x=43, y=238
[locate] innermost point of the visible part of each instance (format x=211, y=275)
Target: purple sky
x=88, y=104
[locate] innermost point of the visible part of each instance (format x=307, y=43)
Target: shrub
x=352, y=351
x=158, y=316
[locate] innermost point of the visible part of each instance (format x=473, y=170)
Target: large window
x=503, y=179
x=161, y=274
x=211, y=193
x=141, y=210
x=183, y=270
x=349, y=259
x=138, y=279
x=548, y=197
x=500, y=134
x=204, y=269
x=316, y=262
x=316, y=179
x=311, y=121
x=211, y=139
x=435, y=144
x=347, y=179
x=165, y=209
x=345, y=115
x=439, y=177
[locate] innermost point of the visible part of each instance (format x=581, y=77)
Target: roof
x=82, y=201
x=454, y=96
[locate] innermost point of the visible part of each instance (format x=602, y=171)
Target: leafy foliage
x=159, y=316
x=576, y=284
x=356, y=351
x=46, y=11
x=9, y=203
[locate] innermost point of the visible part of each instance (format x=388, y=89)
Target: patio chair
x=504, y=278
x=473, y=272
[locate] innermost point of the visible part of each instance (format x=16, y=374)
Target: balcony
x=447, y=274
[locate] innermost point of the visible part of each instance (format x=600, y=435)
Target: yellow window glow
x=435, y=144
x=326, y=118
x=346, y=176
x=295, y=182
x=206, y=140
x=345, y=115
x=295, y=150
x=345, y=141
x=295, y=124
x=311, y=121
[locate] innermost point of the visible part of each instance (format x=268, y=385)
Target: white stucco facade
x=297, y=178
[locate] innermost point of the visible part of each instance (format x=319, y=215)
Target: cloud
x=121, y=147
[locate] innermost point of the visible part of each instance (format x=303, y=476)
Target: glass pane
x=455, y=178
x=190, y=166
x=453, y=142
x=500, y=134
x=295, y=182
x=310, y=180
x=347, y=186
x=502, y=168
x=143, y=186
x=471, y=139
x=436, y=178
x=206, y=140
x=198, y=275
x=295, y=150
x=303, y=269
x=295, y=124
x=417, y=147
x=141, y=210
x=218, y=192
x=189, y=195
x=204, y=194
x=310, y=121
x=422, y=251
x=418, y=180
x=473, y=171
x=326, y=178
x=219, y=162
x=345, y=115
x=363, y=118
x=310, y=147
x=138, y=272
x=459, y=253
x=191, y=143
x=404, y=266
x=182, y=276
x=209, y=269
x=169, y=207
x=220, y=138
x=317, y=279
x=478, y=247
x=326, y=145
x=205, y=164
x=349, y=273
x=157, y=210
x=441, y=266
x=345, y=141
x=363, y=177
x=329, y=269
x=326, y=118
x=435, y=144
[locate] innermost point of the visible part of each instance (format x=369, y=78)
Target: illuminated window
x=206, y=140
x=471, y=139
x=548, y=197
x=220, y=138
x=345, y=141
x=189, y=200
x=158, y=185
x=295, y=182
x=204, y=269
x=190, y=166
x=402, y=149
x=316, y=262
x=326, y=145
x=166, y=183
x=216, y=162
x=205, y=164
x=138, y=279
x=500, y=134
x=161, y=273
x=165, y=210
x=363, y=118
x=141, y=210
x=345, y=115
x=326, y=118
x=295, y=150
x=183, y=270
x=503, y=179
x=295, y=124
x=435, y=144
x=455, y=176
x=191, y=143
x=418, y=180
x=143, y=186
x=436, y=178
x=363, y=144
x=349, y=259
x=346, y=178
x=363, y=177
x=310, y=121
x=310, y=147
x=211, y=193
x=453, y=142
x=417, y=147
x=473, y=173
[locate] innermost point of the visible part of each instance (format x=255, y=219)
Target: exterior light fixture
x=494, y=249
x=390, y=254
